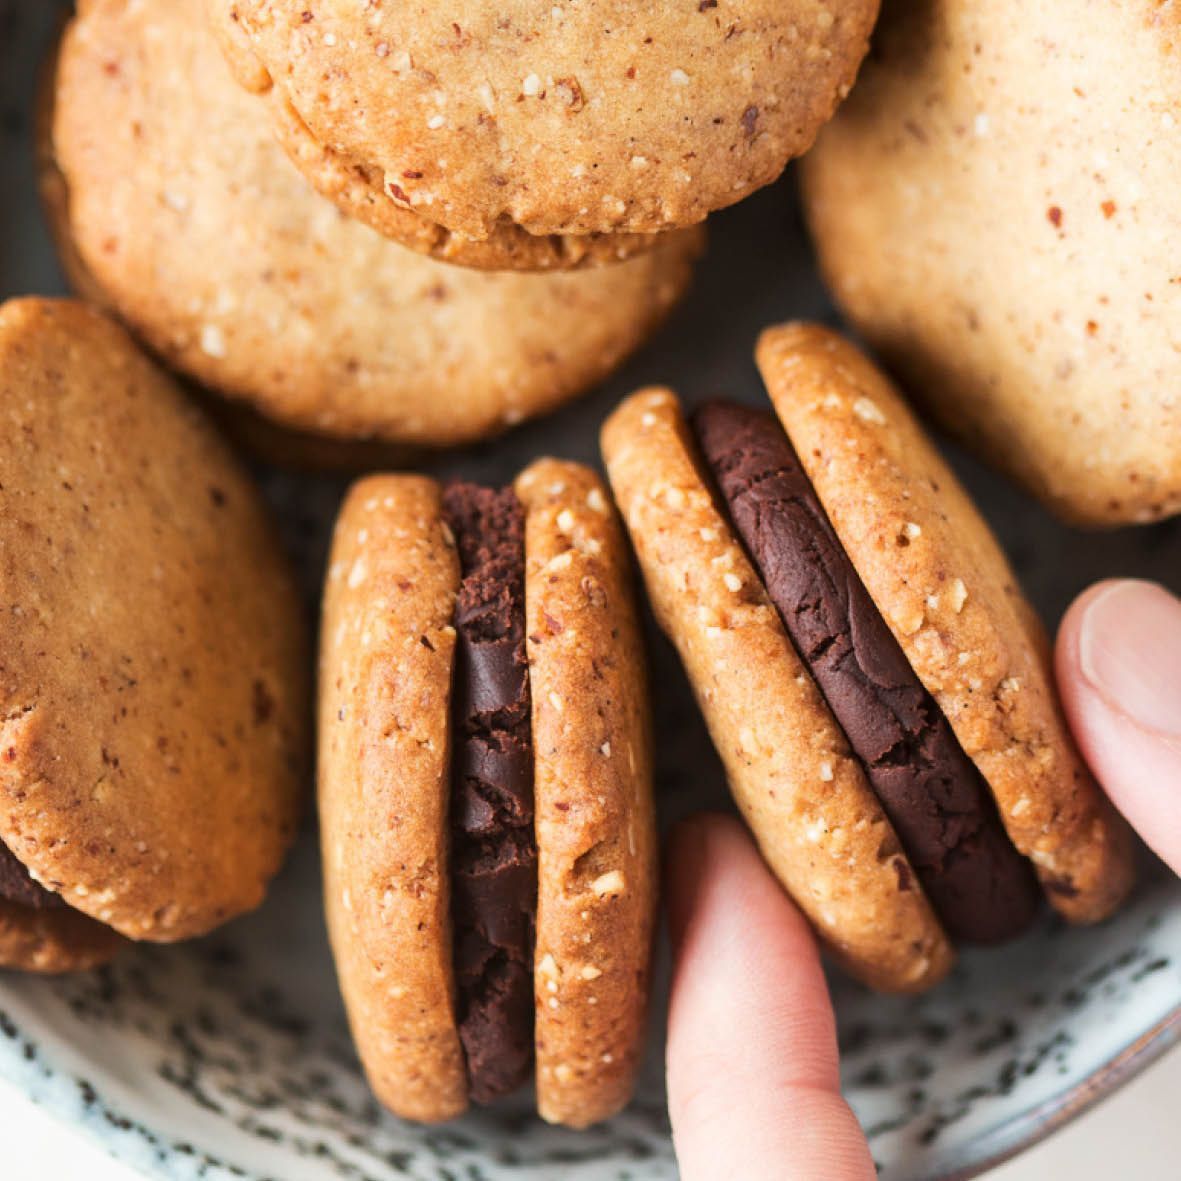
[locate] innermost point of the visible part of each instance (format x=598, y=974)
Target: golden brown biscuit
x=997, y=211
x=575, y=119
x=153, y=682
x=359, y=192
x=802, y=791
x=189, y=221
x=386, y=659
x=946, y=603
x=596, y=828
x=419, y=760
x=53, y=941
x=946, y=590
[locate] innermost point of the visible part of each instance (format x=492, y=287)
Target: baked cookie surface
x=53, y=941
x=599, y=863
x=600, y=117
x=485, y=793
x=152, y=685
x=996, y=209
x=946, y=591
x=797, y=783
x=188, y=219
x=386, y=664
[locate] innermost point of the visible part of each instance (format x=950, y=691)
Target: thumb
x=752, y=1057
x=1119, y=674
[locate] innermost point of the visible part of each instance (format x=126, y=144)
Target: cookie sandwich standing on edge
x=485, y=792
x=874, y=681
x=188, y=220
x=543, y=137
x=153, y=684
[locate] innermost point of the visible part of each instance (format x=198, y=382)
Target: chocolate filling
x=17, y=884
x=493, y=851
x=980, y=887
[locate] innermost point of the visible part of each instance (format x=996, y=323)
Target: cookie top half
x=598, y=861
x=602, y=116
x=190, y=221
x=946, y=591
x=387, y=657
x=152, y=683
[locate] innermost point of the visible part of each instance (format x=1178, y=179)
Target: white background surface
x=1136, y=1134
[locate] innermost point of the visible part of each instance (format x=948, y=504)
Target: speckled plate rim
x=1024, y=1131
x=124, y=1138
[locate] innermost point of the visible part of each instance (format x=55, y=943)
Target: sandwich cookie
x=485, y=793
x=188, y=221
x=910, y=778
x=997, y=211
x=476, y=130
x=152, y=684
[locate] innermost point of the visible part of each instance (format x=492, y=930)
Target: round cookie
x=596, y=118
x=804, y=795
x=485, y=765
x=152, y=692
x=947, y=593
x=996, y=209
x=190, y=222
x=925, y=572
x=360, y=193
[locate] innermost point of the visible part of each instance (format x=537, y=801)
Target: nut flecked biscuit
x=387, y=657
x=360, y=194
x=790, y=768
x=946, y=591
x=189, y=221
x=996, y=209
x=152, y=687
x=593, y=118
x=596, y=827
x=54, y=941
x=981, y=889
x=360, y=191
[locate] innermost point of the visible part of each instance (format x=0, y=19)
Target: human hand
x=752, y=1058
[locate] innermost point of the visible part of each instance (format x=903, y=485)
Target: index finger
x=754, y=1090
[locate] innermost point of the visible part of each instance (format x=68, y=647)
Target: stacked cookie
x=543, y=136
x=486, y=792
x=877, y=688
x=305, y=308
x=189, y=222
x=154, y=673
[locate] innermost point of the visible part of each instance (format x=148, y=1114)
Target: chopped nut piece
x=868, y=411
x=609, y=884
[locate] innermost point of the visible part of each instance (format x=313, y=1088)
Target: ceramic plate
x=229, y=1058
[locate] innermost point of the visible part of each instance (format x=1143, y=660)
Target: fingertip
x=752, y=1060
x=1066, y=646
x=1118, y=667
x=692, y=843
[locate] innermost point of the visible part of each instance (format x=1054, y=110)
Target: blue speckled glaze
x=229, y=1058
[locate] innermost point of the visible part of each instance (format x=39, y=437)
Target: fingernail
x=1130, y=653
